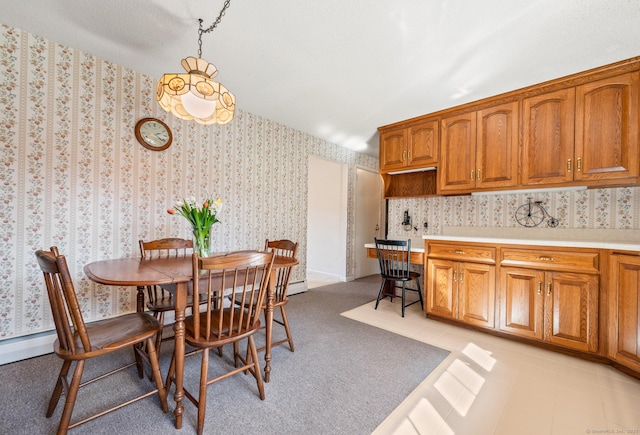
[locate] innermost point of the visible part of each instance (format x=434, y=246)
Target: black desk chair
x=394, y=259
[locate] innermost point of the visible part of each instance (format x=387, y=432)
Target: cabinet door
x=476, y=294
x=571, y=310
x=624, y=306
x=423, y=144
x=456, y=170
x=393, y=149
x=441, y=290
x=548, y=138
x=521, y=302
x=497, y=146
x=607, y=129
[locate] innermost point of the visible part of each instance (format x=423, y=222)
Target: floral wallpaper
x=73, y=175
x=601, y=209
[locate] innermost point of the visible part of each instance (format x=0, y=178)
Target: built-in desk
x=416, y=256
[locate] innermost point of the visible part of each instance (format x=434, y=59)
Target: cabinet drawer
x=583, y=261
x=483, y=254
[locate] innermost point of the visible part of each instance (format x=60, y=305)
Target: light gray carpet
x=344, y=377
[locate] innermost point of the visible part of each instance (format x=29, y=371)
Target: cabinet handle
x=454, y=276
x=568, y=165
x=579, y=163
x=478, y=175
x=458, y=251
x=461, y=277
x=548, y=289
x=404, y=156
x=409, y=155
x=472, y=174
x=539, y=287
x=546, y=258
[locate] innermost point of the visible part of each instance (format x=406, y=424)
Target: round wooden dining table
x=175, y=273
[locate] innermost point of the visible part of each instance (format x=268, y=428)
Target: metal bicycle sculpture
x=533, y=214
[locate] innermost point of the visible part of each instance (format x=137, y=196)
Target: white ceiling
x=338, y=69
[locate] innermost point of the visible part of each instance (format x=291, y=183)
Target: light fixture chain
x=210, y=28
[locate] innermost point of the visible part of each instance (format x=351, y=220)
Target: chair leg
x=257, y=371
x=71, y=398
x=159, y=335
x=57, y=391
x=403, y=298
x=384, y=281
x=170, y=374
x=285, y=322
x=236, y=353
x=157, y=376
x=202, y=395
x=420, y=294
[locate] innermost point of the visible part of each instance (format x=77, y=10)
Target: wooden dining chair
x=244, y=275
x=159, y=299
x=78, y=342
x=394, y=257
x=281, y=248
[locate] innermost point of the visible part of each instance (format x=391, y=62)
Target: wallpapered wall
x=73, y=175
x=602, y=209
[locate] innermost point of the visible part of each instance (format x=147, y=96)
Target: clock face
x=153, y=134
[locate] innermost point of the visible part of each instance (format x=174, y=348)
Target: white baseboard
x=16, y=349
x=297, y=287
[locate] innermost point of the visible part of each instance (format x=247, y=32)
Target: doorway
x=326, y=222
x=367, y=220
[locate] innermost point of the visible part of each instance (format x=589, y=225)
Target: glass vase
x=202, y=240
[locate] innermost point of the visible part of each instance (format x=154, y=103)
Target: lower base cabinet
x=549, y=295
x=462, y=291
x=624, y=310
x=555, y=307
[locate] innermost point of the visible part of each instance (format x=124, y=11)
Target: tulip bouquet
x=201, y=216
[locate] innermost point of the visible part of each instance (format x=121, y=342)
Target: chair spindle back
x=393, y=257
x=63, y=300
x=242, y=276
x=281, y=248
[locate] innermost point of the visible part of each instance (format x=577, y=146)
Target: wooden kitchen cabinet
x=587, y=133
x=480, y=149
x=461, y=290
x=624, y=310
x=411, y=147
x=606, y=142
x=551, y=296
x=393, y=149
x=548, y=138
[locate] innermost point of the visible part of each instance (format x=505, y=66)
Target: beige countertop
x=627, y=240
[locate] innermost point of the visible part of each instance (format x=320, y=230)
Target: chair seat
x=168, y=303
x=112, y=334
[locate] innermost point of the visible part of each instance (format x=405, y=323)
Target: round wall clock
x=153, y=134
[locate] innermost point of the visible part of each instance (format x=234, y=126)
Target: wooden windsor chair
x=244, y=276
x=78, y=342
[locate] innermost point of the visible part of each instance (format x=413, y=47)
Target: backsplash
x=598, y=209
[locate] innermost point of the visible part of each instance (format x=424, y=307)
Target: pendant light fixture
x=194, y=95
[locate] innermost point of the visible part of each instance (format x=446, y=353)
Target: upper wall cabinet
x=548, y=138
x=607, y=129
x=410, y=147
x=480, y=150
x=581, y=129
x=584, y=134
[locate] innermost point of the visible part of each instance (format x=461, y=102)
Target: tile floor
x=490, y=385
